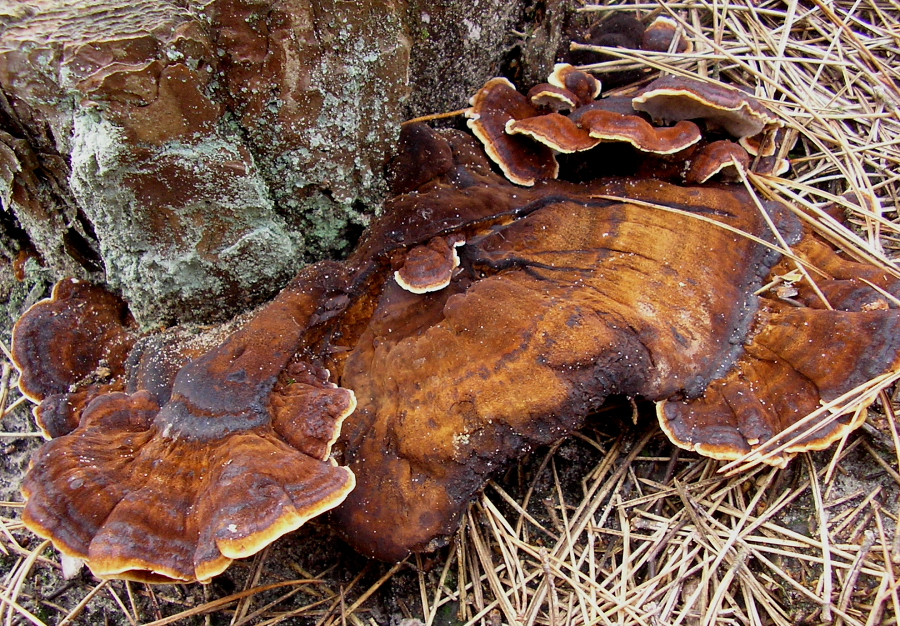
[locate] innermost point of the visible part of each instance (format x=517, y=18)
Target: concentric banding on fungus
x=674, y=98
x=522, y=161
x=609, y=126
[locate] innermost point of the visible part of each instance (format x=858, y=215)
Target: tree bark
x=193, y=155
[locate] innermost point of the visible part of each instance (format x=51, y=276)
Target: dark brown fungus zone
x=521, y=160
x=660, y=36
x=234, y=459
x=720, y=158
x=564, y=293
x=68, y=347
x=674, y=98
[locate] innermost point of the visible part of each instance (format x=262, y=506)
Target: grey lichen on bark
x=196, y=147
x=193, y=155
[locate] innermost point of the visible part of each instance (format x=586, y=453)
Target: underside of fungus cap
x=521, y=160
x=552, y=97
x=234, y=459
x=673, y=98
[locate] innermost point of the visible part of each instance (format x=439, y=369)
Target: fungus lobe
x=562, y=294
x=233, y=460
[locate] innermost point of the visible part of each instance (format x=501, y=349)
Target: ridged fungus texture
x=70, y=347
x=477, y=319
x=235, y=458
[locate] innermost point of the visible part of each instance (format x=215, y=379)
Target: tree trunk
x=193, y=155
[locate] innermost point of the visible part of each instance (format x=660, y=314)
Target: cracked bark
x=193, y=155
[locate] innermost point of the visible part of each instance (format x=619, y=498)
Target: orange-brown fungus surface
x=232, y=460
x=531, y=306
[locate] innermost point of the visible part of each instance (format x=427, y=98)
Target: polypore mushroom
x=555, y=131
x=62, y=339
x=782, y=375
x=589, y=290
x=564, y=294
x=585, y=87
x=609, y=126
x=619, y=30
x=660, y=35
x=522, y=161
x=846, y=285
x=614, y=104
x=233, y=460
x=68, y=346
x=769, y=149
x=721, y=157
x=403, y=173
x=675, y=98
x=429, y=267
x=552, y=97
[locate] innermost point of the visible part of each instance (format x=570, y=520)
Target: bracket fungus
x=552, y=97
x=233, y=460
x=62, y=375
x=610, y=126
x=480, y=316
x=662, y=34
x=585, y=86
x=429, y=267
x=496, y=104
x=674, y=98
x=719, y=157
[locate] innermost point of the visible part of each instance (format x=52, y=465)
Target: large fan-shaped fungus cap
x=521, y=160
x=566, y=294
x=788, y=369
x=236, y=458
x=674, y=98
